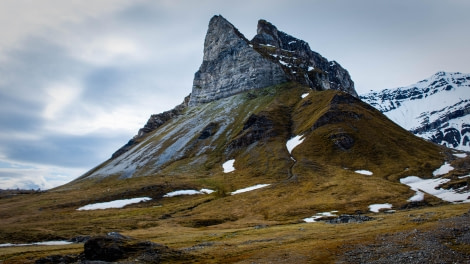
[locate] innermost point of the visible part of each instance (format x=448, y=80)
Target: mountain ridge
x=232, y=64
x=436, y=108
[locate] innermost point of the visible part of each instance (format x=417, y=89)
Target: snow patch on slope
x=429, y=186
x=251, y=188
x=228, y=166
x=314, y=218
x=45, y=243
x=444, y=169
x=113, y=204
x=188, y=192
x=364, y=172
x=294, y=142
x=377, y=207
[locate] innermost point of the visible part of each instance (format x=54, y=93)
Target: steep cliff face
x=299, y=62
x=232, y=64
x=436, y=108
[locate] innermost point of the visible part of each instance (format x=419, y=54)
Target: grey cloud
x=104, y=86
x=63, y=150
x=18, y=122
x=18, y=115
x=20, y=180
x=39, y=60
x=143, y=15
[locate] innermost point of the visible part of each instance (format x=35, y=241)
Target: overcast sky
x=79, y=78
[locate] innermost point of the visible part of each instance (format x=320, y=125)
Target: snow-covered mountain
x=436, y=108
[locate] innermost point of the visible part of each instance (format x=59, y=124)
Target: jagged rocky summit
x=310, y=145
x=233, y=64
x=436, y=108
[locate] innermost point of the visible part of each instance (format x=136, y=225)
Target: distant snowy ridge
x=437, y=108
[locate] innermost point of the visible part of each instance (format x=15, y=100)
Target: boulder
x=115, y=246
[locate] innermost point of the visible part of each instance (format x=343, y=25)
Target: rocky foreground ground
x=449, y=242
x=446, y=242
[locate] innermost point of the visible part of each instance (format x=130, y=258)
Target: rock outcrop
x=116, y=248
x=232, y=64
x=299, y=62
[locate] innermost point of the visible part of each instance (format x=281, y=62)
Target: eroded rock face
x=230, y=65
x=300, y=63
x=154, y=122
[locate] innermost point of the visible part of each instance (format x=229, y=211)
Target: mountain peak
x=233, y=64
x=436, y=108
x=230, y=65
x=268, y=34
x=221, y=35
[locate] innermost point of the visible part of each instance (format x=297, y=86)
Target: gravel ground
x=448, y=242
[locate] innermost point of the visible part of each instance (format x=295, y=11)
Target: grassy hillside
x=340, y=135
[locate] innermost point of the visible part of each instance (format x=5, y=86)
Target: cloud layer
x=78, y=79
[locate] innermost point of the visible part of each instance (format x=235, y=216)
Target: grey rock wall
x=230, y=65
x=300, y=63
